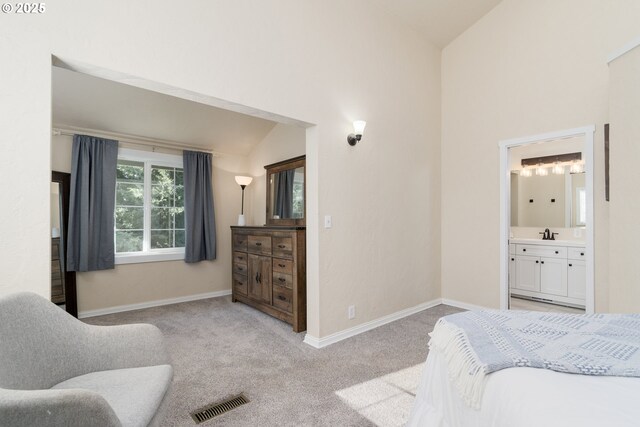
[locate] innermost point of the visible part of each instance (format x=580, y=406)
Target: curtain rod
x=132, y=139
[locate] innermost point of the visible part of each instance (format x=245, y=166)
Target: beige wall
x=146, y=282
x=542, y=212
x=625, y=176
x=528, y=67
x=302, y=60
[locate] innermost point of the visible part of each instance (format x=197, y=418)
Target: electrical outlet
x=327, y=221
x=351, y=312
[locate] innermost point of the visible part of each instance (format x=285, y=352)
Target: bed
x=525, y=396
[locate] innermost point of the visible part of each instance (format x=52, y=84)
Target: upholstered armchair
x=58, y=371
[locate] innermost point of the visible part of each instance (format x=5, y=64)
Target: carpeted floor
x=219, y=349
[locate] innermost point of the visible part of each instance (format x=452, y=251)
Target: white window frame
x=147, y=254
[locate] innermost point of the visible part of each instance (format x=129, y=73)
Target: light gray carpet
x=219, y=348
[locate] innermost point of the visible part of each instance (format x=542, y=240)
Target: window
x=149, y=213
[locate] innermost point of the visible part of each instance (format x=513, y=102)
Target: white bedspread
x=518, y=397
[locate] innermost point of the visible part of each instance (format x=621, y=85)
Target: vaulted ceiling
x=84, y=101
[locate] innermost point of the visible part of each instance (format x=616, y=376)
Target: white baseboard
x=156, y=303
x=460, y=304
x=367, y=326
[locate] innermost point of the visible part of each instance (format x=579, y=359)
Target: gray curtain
x=284, y=193
x=200, y=221
x=92, y=203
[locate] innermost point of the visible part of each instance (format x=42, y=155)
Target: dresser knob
x=281, y=279
x=556, y=251
x=537, y=262
x=524, y=250
x=258, y=244
x=281, y=246
x=581, y=253
x=570, y=265
x=282, y=298
x=281, y=265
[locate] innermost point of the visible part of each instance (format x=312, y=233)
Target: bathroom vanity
x=552, y=271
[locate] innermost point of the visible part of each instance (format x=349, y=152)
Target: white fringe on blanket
x=465, y=370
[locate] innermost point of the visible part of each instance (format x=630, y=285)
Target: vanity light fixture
x=557, y=169
x=358, y=129
x=576, y=167
x=526, y=172
x=556, y=162
x=243, y=181
x=542, y=171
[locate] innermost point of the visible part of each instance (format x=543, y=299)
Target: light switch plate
x=327, y=221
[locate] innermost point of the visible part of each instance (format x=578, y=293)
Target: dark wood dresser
x=57, y=275
x=269, y=271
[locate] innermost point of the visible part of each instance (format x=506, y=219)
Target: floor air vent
x=219, y=408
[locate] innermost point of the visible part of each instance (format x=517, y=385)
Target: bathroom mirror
x=286, y=192
x=548, y=201
x=547, y=187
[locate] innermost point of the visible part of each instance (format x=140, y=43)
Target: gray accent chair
x=58, y=371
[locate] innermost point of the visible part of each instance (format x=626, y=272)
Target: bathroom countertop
x=574, y=243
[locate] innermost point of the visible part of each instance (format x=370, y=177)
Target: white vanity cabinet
x=550, y=273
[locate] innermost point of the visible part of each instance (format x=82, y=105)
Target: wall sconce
x=243, y=181
x=358, y=128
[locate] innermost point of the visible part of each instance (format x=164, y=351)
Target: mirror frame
x=274, y=168
x=71, y=299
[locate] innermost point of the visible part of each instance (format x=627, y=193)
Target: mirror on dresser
x=286, y=192
x=63, y=282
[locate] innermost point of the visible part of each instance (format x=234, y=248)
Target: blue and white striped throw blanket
x=476, y=343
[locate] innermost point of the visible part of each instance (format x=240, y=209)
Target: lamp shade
x=244, y=180
x=358, y=127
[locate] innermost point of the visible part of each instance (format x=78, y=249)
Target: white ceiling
x=84, y=101
x=440, y=21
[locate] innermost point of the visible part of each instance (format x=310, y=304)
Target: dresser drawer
x=283, y=279
x=239, y=242
x=240, y=257
x=55, y=251
x=283, y=246
x=576, y=253
x=259, y=244
x=543, y=251
x=240, y=268
x=282, y=298
x=283, y=265
x=240, y=284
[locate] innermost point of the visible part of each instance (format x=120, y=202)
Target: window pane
x=179, y=195
x=179, y=217
x=161, y=175
x=129, y=241
x=161, y=239
x=179, y=238
x=130, y=171
x=162, y=195
x=129, y=218
x=129, y=194
x=179, y=177
x=161, y=218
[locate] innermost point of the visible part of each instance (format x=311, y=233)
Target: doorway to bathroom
x=546, y=197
